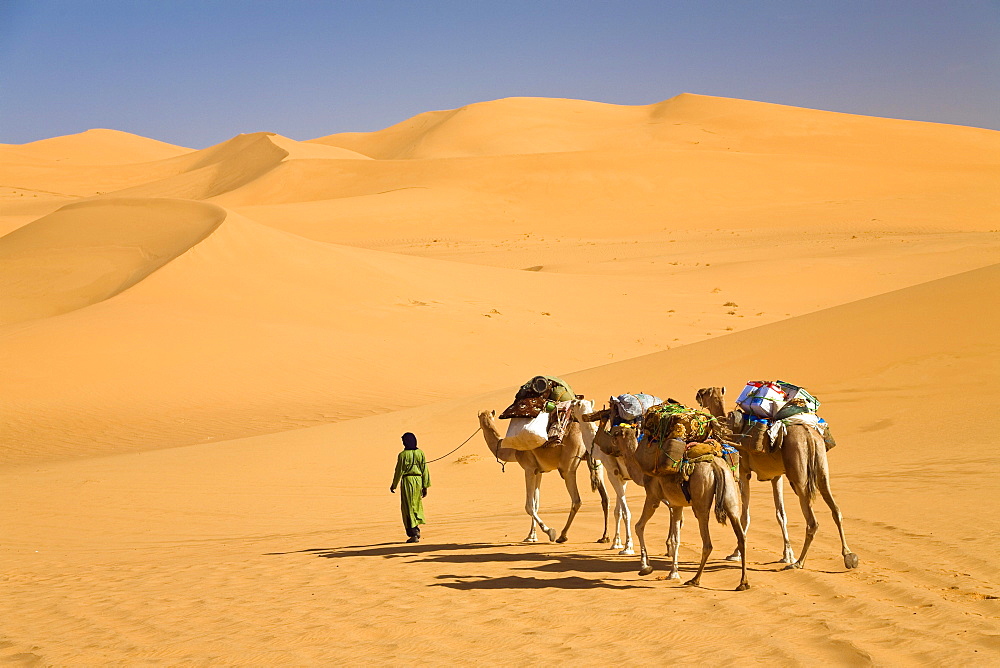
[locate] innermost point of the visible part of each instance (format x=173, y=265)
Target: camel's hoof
x=735, y=556
x=692, y=583
x=627, y=552
x=562, y=539
x=531, y=539
x=604, y=540
x=787, y=560
x=851, y=560
x=794, y=566
x=551, y=533
x=674, y=576
x=743, y=586
x=645, y=570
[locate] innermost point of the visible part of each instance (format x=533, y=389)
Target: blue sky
x=197, y=73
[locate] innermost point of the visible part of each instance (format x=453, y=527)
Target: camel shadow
x=530, y=559
x=472, y=582
x=543, y=561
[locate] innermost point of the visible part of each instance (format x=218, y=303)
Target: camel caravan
x=703, y=458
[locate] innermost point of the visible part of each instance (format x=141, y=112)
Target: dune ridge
x=517, y=126
x=97, y=146
x=102, y=247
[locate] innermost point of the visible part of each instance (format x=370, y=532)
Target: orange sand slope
x=209, y=355
x=613, y=208
x=193, y=552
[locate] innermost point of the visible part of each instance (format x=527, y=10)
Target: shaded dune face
x=87, y=252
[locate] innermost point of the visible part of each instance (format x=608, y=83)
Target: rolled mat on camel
x=765, y=409
x=539, y=415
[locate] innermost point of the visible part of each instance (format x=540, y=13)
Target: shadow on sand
x=521, y=557
x=467, y=582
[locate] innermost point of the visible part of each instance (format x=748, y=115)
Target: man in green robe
x=411, y=470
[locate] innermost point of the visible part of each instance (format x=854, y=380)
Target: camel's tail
x=817, y=449
x=595, y=473
x=722, y=478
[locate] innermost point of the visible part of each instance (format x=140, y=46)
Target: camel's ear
x=723, y=390
x=493, y=412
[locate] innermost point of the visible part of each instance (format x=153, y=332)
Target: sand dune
x=288, y=523
x=209, y=356
x=581, y=169
x=243, y=329
x=515, y=126
x=95, y=147
x=101, y=248
x=32, y=181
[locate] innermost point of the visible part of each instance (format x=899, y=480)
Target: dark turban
x=409, y=441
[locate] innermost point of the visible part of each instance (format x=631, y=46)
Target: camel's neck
x=588, y=430
x=628, y=446
x=493, y=439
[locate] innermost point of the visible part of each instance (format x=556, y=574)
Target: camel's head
x=711, y=398
x=486, y=417
x=623, y=436
x=581, y=407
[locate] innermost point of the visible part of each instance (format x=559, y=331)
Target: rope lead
x=458, y=448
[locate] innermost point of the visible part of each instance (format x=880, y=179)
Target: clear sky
x=195, y=73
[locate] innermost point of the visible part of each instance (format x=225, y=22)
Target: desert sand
x=209, y=357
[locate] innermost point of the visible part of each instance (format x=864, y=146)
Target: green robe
x=411, y=470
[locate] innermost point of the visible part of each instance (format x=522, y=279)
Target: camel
x=710, y=398
x=617, y=475
x=564, y=457
x=802, y=459
x=711, y=488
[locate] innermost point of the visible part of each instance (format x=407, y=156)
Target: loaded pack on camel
x=623, y=409
x=766, y=409
x=672, y=437
x=677, y=437
x=540, y=414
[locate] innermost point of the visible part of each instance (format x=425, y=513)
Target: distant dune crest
x=516, y=126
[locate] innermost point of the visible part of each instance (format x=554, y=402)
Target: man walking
x=412, y=472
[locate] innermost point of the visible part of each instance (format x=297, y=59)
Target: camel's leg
x=674, y=541
x=648, y=508
x=744, y=481
x=625, y=512
x=702, y=487
x=812, y=526
x=605, y=505
x=732, y=512
x=706, y=541
x=530, y=502
x=574, y=496
x=532, y=484
x=677, y=530
x=623, y=517
x=777, y=490
x=850, y=559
